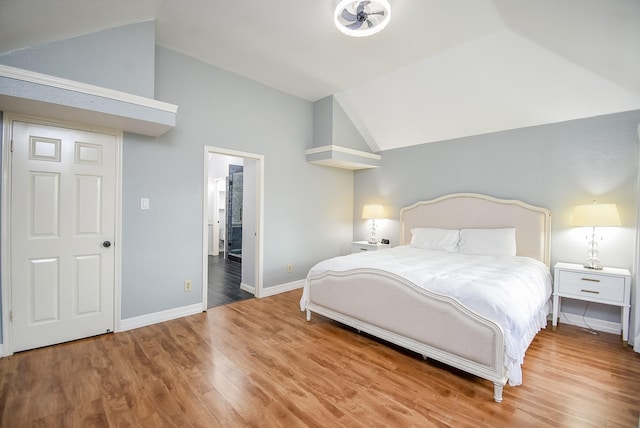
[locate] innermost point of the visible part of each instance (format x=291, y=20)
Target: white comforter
x=511, y=291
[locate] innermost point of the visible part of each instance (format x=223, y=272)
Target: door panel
x=88, y=201
x=62, y=209
x=44, y=205
x=87, y=284
x=44, y=290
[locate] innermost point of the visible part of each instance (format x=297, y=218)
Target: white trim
x=118, y=244
x=158, y=317
x=248, y=288
x=634, y=324
x=590, y=323
x=342, y=150
x=5, y=213
x=283, y=288
x=478, y=196
x=5, y=243
x=259, y=217
x=83, y=88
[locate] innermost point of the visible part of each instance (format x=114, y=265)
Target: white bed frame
x=394, y=309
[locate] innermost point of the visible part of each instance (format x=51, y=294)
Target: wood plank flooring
x=224, y=282
x=259, y=363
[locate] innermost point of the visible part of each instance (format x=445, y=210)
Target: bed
x=415, y=306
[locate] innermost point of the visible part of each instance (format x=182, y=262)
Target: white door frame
x=634, y=335
x=5, y=226
x=259, y=216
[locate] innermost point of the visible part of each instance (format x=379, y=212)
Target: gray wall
x=556, y=166
x=308, y=208
x=224, y=110
x=332, y=126
x=121, y=58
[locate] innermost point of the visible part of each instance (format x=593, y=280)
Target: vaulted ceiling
x=442, y=69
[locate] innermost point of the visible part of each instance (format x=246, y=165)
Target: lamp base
x=372, y=236
x=593, y=264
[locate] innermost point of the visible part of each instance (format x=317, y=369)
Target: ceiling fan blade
x=355, y=25
x=348, y=16
x=380, y=12
x=362, y=5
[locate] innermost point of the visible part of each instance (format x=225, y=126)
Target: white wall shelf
x=36, y=94
x=342, y=157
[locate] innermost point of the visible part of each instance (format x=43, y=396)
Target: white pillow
x=488, y=242
x=435, y=239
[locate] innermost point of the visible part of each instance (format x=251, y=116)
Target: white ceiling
x=442, y=69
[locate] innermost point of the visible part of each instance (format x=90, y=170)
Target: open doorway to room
x=233, y=216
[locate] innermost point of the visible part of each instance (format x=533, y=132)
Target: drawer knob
x=591, y=279
x=590, y=291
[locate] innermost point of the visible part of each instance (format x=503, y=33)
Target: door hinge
x=11, y=146
x=10, y=316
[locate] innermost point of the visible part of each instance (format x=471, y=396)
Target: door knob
x=106, y=244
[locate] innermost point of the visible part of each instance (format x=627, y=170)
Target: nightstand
x=359, y=246
x=609, y=286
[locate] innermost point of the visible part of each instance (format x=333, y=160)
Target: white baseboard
x=170, y=314
x=248, y=288
x=592, y=323
x=157, y=317
x=282, y=288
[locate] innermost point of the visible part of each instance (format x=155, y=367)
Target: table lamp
x=373, y=212
x=595, y=215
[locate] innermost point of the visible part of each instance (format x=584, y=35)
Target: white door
x=63, y=202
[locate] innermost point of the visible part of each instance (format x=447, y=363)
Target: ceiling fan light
x=379, y=21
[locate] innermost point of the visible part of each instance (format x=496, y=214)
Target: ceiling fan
x=362, y=17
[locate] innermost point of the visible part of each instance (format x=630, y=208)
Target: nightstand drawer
x=591, y=286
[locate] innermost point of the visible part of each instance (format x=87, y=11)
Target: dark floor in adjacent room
x=224, y=282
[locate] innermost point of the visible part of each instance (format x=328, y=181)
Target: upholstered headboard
x=470, y=210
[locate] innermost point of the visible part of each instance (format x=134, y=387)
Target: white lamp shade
x=593, y=215
x=372, y=211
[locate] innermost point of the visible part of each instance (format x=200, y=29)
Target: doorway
x=232, y=243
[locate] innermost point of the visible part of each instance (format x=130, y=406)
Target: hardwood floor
x=260, y=363
x=224, y=282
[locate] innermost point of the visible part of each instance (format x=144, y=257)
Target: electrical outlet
x=289, y=268
x=187, y=285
